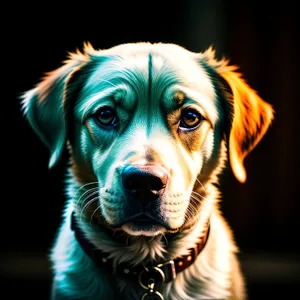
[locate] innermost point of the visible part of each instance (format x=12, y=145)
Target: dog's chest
x=85, y=281
x=80, y=278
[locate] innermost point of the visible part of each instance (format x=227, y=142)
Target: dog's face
x=145, y=126
x=144, y=122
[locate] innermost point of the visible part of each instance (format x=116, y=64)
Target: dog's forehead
x=164, y=59
x=149, y=67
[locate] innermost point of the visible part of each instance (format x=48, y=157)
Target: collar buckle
x=151, y=278
x=151, y=275
x=169, y=270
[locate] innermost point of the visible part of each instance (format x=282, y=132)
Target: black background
x=261, y=39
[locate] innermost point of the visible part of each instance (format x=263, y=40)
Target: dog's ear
x=250, y=115
x=43, y=105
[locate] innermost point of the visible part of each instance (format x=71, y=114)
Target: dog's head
x=146, y=122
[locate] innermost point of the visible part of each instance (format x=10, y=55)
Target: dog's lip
x=143, y=224
x=144, y=220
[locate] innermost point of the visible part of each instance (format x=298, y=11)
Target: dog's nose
x=146, y=182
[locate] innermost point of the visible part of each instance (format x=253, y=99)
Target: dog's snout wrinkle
x=145, y=182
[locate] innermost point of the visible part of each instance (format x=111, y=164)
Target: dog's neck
x=165, y=271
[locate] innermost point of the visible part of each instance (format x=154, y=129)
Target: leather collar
x=160, y=273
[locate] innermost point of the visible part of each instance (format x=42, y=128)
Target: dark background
x=261, y=38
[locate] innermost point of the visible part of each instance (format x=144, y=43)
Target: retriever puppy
x=149, y=129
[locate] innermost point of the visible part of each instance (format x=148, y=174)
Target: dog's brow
x=179, y=97
x=207, y=104
x=89, y=104
x=117, y=93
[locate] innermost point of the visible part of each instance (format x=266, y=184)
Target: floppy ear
x=251, y=116
x=43, y=106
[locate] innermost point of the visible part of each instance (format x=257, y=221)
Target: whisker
x=194, y=207
x=165, y=238
x=192, y=211
x=202, y=186
x=186, y=217
x=196, y=200
x=120, y=235
x=94, y=213
x=190, y=215
x=86, y=206
x=82, y=187
x=193, y=192
x=93, y=190
x=152, y=239
x=126, y=242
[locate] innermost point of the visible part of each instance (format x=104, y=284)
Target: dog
x=149, y=128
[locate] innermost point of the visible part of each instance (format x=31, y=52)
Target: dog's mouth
x=143, y=225
x=143, y=220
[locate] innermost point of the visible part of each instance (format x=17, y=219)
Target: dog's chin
x=143, y=225
x=150, y=230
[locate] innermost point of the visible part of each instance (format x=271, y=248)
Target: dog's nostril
x=144, y=179
x=156, y=184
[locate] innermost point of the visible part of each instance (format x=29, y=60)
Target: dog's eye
x=106, y=117
x=190, y=118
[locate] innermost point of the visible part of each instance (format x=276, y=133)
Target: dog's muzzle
x=144, y=183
